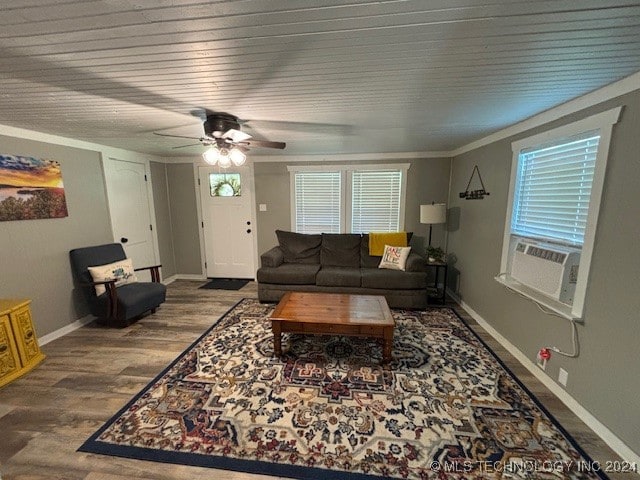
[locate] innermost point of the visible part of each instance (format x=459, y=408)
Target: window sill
x=542, y=300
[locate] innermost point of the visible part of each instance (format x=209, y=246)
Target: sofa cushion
x=338, y=277
x=289, y=274
x=415, y=263
x=392, y=279
x=135, y=299
x=340, y=250
x=299, y=247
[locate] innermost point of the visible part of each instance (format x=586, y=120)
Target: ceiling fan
x=227, y=142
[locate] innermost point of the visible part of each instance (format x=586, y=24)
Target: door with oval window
x=226, y=199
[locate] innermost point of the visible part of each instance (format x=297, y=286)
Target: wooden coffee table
x=333, y=314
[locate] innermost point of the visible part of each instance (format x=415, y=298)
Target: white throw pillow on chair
x=121, y=271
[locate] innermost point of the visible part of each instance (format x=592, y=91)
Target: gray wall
x=164, y=229
x=34, y=254
x=604, y=378
x=427, y=181
x=184, y=218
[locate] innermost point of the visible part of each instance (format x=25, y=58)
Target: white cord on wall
x=574, y=329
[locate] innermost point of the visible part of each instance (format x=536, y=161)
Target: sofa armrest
x=272, y=258
x=415, y=263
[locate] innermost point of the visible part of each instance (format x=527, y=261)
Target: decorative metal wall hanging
x=474, y=194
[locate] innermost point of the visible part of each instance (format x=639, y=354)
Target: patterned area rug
x=445, y=408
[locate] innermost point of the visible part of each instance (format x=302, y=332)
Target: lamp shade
x=434, y=213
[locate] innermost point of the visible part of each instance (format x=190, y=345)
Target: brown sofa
x=338, y=263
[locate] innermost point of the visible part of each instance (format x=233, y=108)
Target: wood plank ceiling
x=326, y=76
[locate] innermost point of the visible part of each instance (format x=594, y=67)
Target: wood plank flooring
x=92, y=372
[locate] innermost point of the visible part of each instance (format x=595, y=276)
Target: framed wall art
x=30, y=188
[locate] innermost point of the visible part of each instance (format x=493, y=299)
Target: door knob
x=248, y=230
x=124, y=240
x=248, y=222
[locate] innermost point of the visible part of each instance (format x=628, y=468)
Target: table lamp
x=431, y=214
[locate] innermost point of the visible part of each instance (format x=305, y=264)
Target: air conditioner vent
x=543, y=253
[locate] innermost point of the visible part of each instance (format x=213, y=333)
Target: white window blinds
x=375, y=201
x=553, y=188
x=317, y=202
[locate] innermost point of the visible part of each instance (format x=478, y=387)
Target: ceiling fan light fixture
x=223, y=158
x=237, y=156
x=211, y=156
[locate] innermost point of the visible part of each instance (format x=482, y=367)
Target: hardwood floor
x=92, y=372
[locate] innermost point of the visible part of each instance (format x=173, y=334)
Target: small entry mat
x=225, y=284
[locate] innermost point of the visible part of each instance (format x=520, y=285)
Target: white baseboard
x=582, y=413
x=183, y=276
x=61, y=332
x=170, y=279
x=190, y=276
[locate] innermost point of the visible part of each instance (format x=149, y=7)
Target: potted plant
x=435, y=254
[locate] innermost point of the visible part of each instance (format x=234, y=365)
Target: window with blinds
x=553, y=189
x=349, y=198
x=318, y=203
x=375, y=201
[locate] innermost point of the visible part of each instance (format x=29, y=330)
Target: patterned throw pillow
x=121, y=271
x=394, y=258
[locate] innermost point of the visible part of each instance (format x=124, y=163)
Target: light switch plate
x=262, y=207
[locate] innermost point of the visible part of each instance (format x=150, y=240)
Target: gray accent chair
x=338, y=263
x=119, y=305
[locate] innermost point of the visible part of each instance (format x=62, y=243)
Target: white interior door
x=130, y=212
x=226, y=199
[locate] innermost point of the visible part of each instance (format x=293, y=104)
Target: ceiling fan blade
x=189, y=145
x=236, y=135
x=263, y=143
x=177, y=136
x=303, y=127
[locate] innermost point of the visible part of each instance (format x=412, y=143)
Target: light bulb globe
x=211, y=156
x=237, y=156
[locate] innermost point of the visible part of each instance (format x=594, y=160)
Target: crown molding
x=184, y=159
x=338, y=157
x=350, y=157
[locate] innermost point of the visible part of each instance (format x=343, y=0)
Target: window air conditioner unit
x=549, y=269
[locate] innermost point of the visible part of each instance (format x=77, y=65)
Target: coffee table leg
x=387, y=345
x=277, y=338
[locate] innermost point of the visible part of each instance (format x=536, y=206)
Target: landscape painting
x=30, y=188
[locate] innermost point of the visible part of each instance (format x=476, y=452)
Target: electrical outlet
x=541, y=359
x=563, y=376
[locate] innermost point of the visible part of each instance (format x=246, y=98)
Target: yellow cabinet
x=19, y=349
